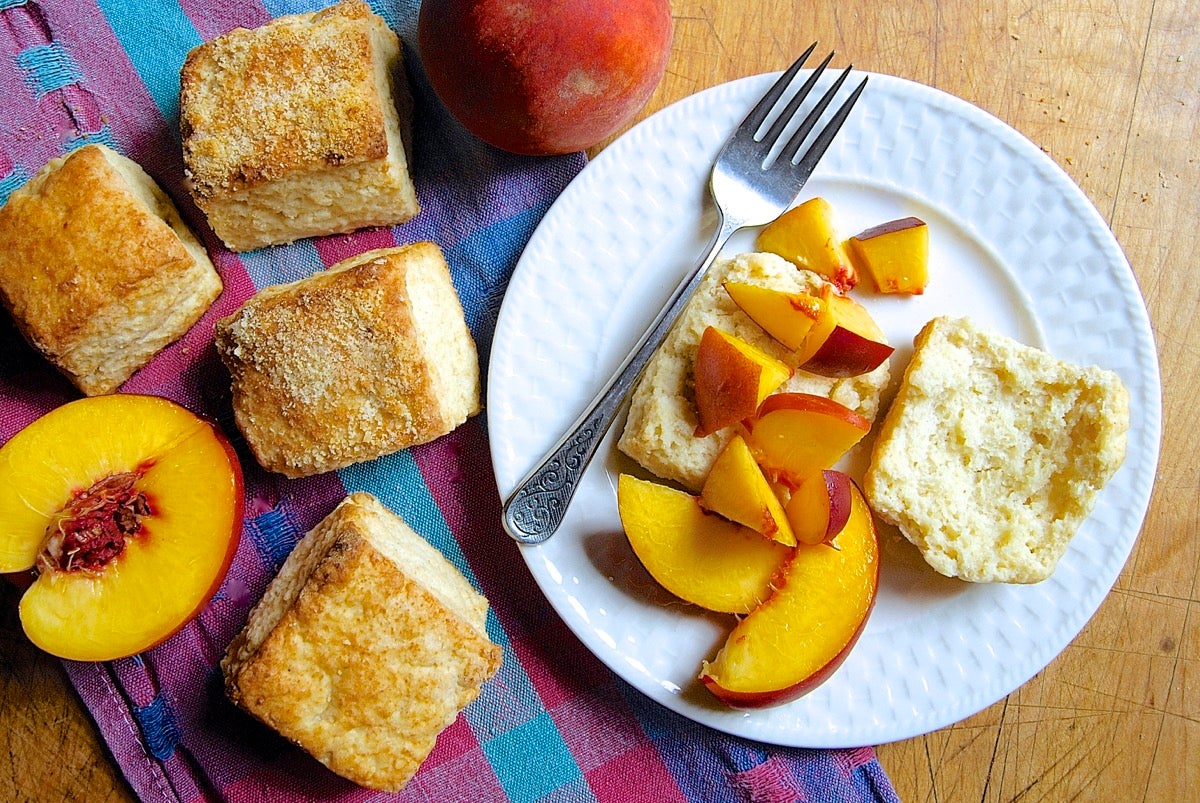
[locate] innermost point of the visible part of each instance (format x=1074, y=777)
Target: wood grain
x=49, y=748
x=1111, y=91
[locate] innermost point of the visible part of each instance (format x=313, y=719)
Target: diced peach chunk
x=895, y=254
x=794, y=435
x=732, y=377
x=737, y=489
x=697, y=556
x=787, y=317
x=819, y=506
x=805, y=236
x=845, y=340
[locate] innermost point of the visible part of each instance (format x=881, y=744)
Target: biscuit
x=366, y=358
x=364, y=647
x=299, y=128
x=993, y=452
x=97, y=268
x=659, y=430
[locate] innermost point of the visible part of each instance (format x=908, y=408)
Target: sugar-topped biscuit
x=299, y=128
x=366, y=358
x=364, y=647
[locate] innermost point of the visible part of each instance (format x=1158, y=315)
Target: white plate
x=1014, y=244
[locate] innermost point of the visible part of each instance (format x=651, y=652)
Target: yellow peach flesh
x=797, y=434
x=697, y=556
x=787, y=317
x=844, y=340
x=895, y=254
x=819, y=506
x=797, y=638
x=736, y=489
x=731, y=378
x=168, y=569
x=808, y=509
x=805, y=236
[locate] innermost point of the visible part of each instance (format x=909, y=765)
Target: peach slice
x=794, y=435
x=130, y=509
x=737, y=489
x=819, y=506
x=732, y=378
x=697, y=556
x=805, y=236
x=845, y=340
x=798, y=638
x=895, y=254
x=787, y=317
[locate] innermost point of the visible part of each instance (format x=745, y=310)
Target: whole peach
x=544, y=77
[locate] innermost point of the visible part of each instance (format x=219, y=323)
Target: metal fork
x=752, y=183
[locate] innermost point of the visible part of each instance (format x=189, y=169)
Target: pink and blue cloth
x=554, y=724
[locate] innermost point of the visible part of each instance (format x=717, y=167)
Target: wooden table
x=1110, y=91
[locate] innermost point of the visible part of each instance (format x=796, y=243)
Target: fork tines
x=759, y=115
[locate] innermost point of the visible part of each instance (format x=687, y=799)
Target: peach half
x=697, y=556
x=805, y=236
x=731, y=378
x=794, y=435
x=895, y=254
x=798, y=638
x=737, y=489
x=129, y=508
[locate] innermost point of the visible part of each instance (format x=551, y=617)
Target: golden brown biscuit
x=97, y=268
x=358, y=361
x=364, y=647
x=298, y=128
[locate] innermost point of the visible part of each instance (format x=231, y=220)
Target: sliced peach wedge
x=805, y=236
x=787, y=317
x=697, y=556
x=794, y=435
x=737, y=489
x=795, y=640
x=819, y=506
x=129, y=508
x=732, y=377
x=845, y=340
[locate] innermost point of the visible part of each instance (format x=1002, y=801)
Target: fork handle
x=536, y=507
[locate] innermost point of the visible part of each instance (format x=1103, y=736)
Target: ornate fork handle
x=535, y=509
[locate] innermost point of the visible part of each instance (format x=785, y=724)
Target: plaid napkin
x=554, y=724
